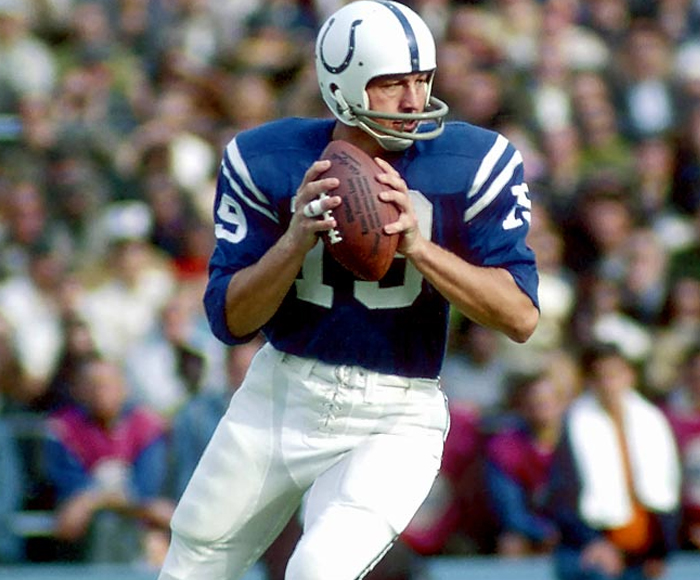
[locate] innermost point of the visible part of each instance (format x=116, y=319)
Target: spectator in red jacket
x=518, y=460
x=107, y=460
x=683, y=411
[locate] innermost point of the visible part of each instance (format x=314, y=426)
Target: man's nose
x=413, y=97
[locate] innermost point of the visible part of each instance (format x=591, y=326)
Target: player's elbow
x=523, y=324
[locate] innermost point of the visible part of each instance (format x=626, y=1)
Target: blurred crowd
x=113, y=115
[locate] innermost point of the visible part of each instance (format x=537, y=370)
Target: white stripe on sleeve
x=241, y=170
x=495, y=188
x=487, y=165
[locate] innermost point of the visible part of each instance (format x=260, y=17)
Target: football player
x=342, y=406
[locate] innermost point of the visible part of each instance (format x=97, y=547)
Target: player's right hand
x=305, y=226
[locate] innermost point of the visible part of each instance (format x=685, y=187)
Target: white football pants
x=366, y=446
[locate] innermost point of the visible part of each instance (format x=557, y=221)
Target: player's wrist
x=295, y=244
x=416, y=248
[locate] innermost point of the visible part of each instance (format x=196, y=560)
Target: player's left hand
x=407, y=224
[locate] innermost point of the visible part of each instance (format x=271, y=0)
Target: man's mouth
x=406, y=126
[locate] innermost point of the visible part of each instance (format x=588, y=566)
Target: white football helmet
x=367, y=39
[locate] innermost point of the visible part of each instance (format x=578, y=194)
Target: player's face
x=398, y=94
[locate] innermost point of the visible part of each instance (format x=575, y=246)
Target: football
x=358, y=242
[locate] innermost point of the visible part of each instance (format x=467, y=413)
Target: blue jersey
x=468, y=192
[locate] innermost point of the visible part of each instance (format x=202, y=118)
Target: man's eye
x=392, y=88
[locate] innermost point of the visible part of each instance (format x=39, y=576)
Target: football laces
x=333, y=234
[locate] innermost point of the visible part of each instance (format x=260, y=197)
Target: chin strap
x=343, y=109
x=388, y=142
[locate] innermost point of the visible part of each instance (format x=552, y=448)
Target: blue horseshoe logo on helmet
x=351, y=48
